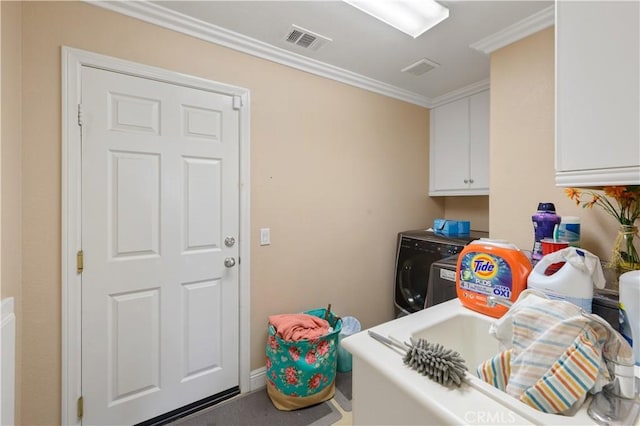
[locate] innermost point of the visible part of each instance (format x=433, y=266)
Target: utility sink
x=385, y=391
x=467, y=333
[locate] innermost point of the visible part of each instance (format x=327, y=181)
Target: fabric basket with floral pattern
x=302, y=373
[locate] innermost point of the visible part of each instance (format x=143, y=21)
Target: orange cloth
x=294, y=327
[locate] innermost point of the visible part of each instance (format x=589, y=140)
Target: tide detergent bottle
x=489, y=267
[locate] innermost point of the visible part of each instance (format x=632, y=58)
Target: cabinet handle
x=466, y=181
x=470, y=180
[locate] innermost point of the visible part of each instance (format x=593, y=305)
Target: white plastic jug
x=630, y=310
x=573, y=281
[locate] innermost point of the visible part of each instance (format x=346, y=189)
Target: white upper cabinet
x=597, y=93
x=459, y=153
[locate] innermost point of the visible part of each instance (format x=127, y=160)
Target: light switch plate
x=265, y=236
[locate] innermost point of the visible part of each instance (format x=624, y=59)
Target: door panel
x=133, y=188
x=203, y=181
x=134, y=344
x=202, y=305
x=160, y=192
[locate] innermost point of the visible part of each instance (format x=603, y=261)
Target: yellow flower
x=573, y=194
x=625, y=207
x=623, y=203
x=593, y=201
x=616, y=192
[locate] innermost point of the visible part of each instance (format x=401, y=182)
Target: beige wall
x=472, y=208
x=522, y=147
x=336, y=172
x=11, y=175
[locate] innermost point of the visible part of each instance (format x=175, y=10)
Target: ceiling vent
x=422, y=66
x=305, y=38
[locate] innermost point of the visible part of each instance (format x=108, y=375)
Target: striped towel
x=496, y=370
x=554, y=356
x=569, y=378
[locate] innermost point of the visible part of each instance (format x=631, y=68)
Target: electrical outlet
x=265, y=236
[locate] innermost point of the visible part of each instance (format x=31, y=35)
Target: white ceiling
x=365, y=46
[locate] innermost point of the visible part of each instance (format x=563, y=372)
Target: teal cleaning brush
x=433, y=360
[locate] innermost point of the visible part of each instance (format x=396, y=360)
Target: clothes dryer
x=416, y=252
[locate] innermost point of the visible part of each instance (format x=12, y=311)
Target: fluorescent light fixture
x=412, y=17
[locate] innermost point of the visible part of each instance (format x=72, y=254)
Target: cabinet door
x=597, y=103
x=479, y=141
x=449, y=165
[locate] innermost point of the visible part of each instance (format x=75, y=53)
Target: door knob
x=229, y=241
x=229, y=262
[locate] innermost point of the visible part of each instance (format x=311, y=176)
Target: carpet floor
x=256, y=409
x=343, y=390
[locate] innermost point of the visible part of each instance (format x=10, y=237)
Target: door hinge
x=80, y=407
x=80, y=261
x=237, y=102
x=80, y=115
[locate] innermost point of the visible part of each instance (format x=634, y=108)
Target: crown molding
x=166, y=18
x=460, y=93
x=521, y=29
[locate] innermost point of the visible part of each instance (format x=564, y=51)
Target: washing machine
x=416, y=251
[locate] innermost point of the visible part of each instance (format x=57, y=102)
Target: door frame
x=72, y=62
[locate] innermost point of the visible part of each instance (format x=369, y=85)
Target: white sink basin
x=466, y=333
x=385, y=391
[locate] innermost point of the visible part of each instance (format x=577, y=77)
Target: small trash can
x=350, y=325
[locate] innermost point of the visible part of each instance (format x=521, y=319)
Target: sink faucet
x=493, y=301
x=616, y=403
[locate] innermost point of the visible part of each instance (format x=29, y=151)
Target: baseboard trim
x=258, y=378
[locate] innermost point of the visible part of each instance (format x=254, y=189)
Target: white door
x=160, y=194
